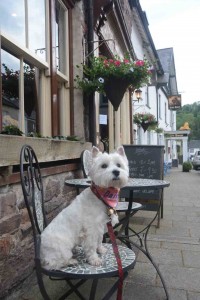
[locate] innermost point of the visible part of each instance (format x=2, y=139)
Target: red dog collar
x=109, y=196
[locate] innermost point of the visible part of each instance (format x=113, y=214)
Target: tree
x=190, y=113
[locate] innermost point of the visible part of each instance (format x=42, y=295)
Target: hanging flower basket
x=115, y=89
x=112, y=77
x=159, y=130
x=145, y=126
x=145, y=120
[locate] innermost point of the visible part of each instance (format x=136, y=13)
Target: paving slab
x=181, y=246
x=193, y=296
x=143, y=273
x=143, y=292
x=181, y=277
x=165, y=256
x=191, y=259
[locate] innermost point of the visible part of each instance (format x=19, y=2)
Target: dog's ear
x=120, y=151
x=95, y=151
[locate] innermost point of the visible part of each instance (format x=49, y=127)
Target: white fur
x=83, y=221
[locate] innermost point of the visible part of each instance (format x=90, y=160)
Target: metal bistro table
x=125, y=233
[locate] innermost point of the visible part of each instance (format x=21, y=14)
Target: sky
x=176, y=24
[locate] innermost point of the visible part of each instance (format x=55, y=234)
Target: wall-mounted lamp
x=138, y=94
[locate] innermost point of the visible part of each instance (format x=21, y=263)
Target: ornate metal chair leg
x=148, y=255
x=74, y=288
x=113, y=288
x=93, y=289
x=41, y=286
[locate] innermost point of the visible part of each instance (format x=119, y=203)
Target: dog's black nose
x=116, y=173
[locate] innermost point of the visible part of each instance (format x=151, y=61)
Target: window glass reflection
x=10, y=72
x=10, y=88
x=30, y=98
x=36, y=20
x=12, y=19
x=60, y=37
x=12, y=22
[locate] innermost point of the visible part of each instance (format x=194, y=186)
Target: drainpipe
x=157, y=107
x=91, y=97
x=1, y=100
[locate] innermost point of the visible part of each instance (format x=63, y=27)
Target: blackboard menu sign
x=145, y=161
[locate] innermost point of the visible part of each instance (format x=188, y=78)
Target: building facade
x=42, y=42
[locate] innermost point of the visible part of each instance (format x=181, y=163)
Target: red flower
x=139, y=63
x=106, y=63
x=117, y=63
x=126, y=61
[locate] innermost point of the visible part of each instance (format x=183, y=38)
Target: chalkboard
x=146, y=161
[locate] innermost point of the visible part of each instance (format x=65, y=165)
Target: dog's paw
x=73, y=261
x=101, y=250
x=95, y=261
x=76, y=250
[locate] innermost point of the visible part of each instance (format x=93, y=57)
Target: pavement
x=175, y=247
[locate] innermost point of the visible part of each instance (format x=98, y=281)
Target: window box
x=46, y=149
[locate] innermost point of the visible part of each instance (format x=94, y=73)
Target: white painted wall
x=156, y=105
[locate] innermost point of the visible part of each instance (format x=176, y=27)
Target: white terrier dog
x=83, y=221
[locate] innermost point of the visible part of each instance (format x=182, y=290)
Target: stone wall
x=16, y=242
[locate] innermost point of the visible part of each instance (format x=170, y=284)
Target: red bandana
x=109, y=195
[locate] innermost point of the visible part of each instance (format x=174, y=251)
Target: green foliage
x=67, y=138
x=190, y=113
x=167, y=135
x=10, y=80
x=99, y=69
x=159, y=130
x=187, y=166
x=35, y=134
x=155, y=128
x=11, y=130
x=73, y=138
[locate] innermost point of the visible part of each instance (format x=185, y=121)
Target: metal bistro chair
x=31, y=181
x=126, y=207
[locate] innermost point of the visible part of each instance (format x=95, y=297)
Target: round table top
x=133, y=183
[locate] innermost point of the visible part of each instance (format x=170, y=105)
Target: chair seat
x=108, y=268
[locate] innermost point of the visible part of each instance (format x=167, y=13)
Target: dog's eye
x=118, y=165
x=104, y=166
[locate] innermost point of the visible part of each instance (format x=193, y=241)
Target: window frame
x=24, y=55
x=159, y=107
x=10, y=45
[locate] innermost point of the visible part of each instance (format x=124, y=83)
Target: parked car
x=196, y=160
x=191, y=157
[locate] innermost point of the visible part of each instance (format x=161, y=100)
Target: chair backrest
x=86, y=162
x=32, y=187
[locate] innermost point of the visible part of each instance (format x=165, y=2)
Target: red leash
x=114, y=246
x=118, y=259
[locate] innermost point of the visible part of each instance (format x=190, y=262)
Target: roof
x=166, y=57
x=143, y=26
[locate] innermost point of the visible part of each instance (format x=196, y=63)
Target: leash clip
x=111, y=211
